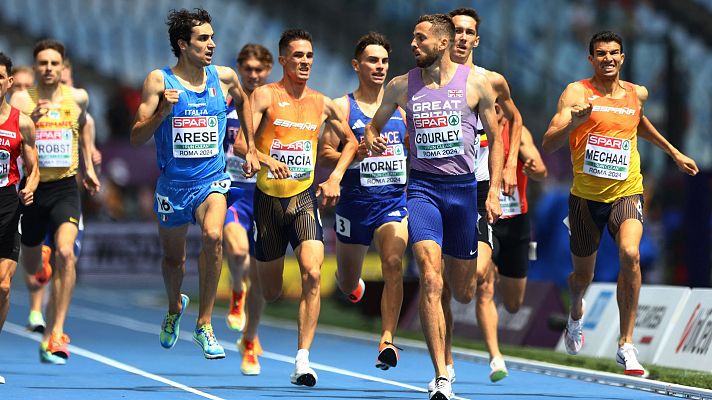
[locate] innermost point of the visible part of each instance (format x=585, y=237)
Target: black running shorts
x=55, y=203
x=9, y=217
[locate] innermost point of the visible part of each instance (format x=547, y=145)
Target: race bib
x=234, y=167
x=195, y=137
x=511, y=206
x=438, y=136
x=385, y=169
x=4, y=168
x=54, y=147
x=607, y=157
x=297, y=155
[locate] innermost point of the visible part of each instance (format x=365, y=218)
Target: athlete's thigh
x=310, y=255
x=484, y=259
x=461, y=275
x=512, y=289
x=235, y=238
x=460, y=218
x=65, y=236
x=210, y=214
x=391, y=239
x=425, y=219
x=270, y=227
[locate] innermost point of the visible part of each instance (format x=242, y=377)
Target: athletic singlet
x=234, y=161
x=380, y=175
x=57, y=137
x=604, y=149
x=189, y=142
x=482, y=173
x=10, y=148
x=443, y=133
x=290, y=136
x=517, y=204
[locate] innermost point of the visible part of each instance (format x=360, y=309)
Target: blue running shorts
x=357, y=220
x=176, y=201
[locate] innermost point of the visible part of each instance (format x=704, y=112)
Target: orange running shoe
x=236, y=316
x=387, y=355
x=357, y=294
x=57, y=345
x=257, y=347
x=44, y=275
x=250, y=363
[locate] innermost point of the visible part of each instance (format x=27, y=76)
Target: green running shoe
x=171, y=325
x=205, y=338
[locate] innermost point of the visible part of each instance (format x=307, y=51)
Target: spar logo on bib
x=609, y=142
x=195, y=122
x=297, y=155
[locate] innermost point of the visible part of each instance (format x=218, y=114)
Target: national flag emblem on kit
x=211, y=92
x=454, y=93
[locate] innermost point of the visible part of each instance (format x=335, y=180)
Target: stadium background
x=538, y=46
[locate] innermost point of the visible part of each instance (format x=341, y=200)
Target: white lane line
x=20, y=331
x=153, y=329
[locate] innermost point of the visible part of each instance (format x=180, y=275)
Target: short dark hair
x=180, y=25
x=290, y=35
x=442, y=25
x=48, y=44
x=468, y=12
x=371, y=38
x=7, y=62
x=604, y=36
x=257, y=51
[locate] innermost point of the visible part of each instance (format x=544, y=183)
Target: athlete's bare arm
x=511, y=112
x=86, y=142
x=331, y=188
x=482, y=97
x=156, y=104
x=571, y=112
x=395, y=95
x=647, y=131
x=533, y=164
x=229, y=79
x=260, y=99
x=329, y=153
x=29, y=157
x=21, y=100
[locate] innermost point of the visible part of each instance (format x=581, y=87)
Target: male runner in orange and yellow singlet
x=288, y=116
x=601, y=118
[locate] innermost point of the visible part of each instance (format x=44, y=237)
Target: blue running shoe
x=205, y=338
x=171, y=325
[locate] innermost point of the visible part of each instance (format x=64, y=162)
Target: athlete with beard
x=183, y=107
x=443, y=102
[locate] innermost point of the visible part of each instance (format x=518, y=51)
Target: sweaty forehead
x=300, y=45
x=202, y=29
x=606, y=46
x=50, y=55
x=464, y=21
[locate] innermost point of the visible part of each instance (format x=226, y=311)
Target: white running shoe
x=499, y=369
x=450, y=372
x=442, y=389
x=627, y=356
x=303, y=374
x=573, y=335
x=2, y=380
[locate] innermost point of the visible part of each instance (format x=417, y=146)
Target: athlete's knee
x=464, y=294
x=173, y=261
x=212, y=237
x=485, y=291
x=630, y=255
x=580, y=278
x=65, y=255
x=392, y=267
x=271, y=292
x=512, y=304
x=432, y=285
x=311, y=277
x=5, y=284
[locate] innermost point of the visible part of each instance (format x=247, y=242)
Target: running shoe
x=170, y=329
x=303, y=374
x=573, y=334
x=2, y=380
x=236, y=315
x=627, y=356
x=442, y=390
x=357, y=294
x=47, y=357
x=206, y=340
x=57, y=345
x=451, y=374
x=36, y=322
x=257, y=346
x=250, y=364
x=44, y=275
x=498, y=368
x=387, y=356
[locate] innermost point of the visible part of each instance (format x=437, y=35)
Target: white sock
x=302, y=355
